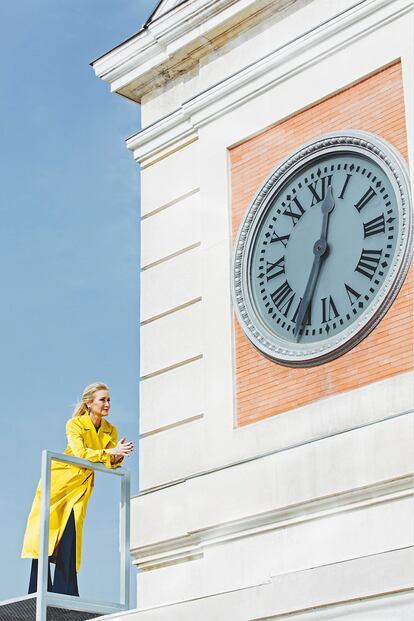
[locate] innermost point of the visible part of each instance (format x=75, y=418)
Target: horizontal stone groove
x=178, y=423
x=170, y=203
x=336, y=604
x=320, y=612
x=170, y=256
x=281, y=517
x=193, y=599
x=239, y=462
x=170, y=311
x=174, y=560
x=171, y=367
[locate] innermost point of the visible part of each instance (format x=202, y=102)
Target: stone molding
x=193, y=544
x=335, y=591
x=181, y=126
x=174, y=42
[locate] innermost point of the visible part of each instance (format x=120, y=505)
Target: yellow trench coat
x=71, y=486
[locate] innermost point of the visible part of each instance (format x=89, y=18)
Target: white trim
x=164, y=7
x=274, y=451
x=313, y=594
x=163, y=138
x=170, y=132
x=137, y=65
x=193, y=544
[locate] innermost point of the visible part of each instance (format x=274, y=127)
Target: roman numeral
x=368, y=262
x=318, y=188
x=327, y=308
x=283, y=298
x=275, y=238
x=345, y=185
x=352, y=294
x=364, y=200
x=295, y=215
x=375, y=226
x=277, y=268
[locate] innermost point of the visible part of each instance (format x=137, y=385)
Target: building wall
x=290, y=513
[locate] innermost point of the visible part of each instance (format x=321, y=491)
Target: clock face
x=323, y=249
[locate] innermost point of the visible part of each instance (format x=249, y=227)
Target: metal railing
x=46, y=598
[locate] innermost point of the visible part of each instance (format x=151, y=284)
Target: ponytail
x=80, y=409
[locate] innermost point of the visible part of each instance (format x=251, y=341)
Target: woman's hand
x=122, y=449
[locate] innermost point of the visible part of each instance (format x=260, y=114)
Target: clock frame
x=259, y=332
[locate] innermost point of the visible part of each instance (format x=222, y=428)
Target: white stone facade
x=306, y=515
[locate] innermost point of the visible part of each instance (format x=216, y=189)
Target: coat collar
x=86, y=423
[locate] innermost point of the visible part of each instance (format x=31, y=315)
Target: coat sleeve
x=113, y=442
x=79, y=449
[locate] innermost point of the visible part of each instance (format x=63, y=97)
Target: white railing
x=45, y=598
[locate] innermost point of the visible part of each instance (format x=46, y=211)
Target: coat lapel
x=100, y=439
x=87, y=424
x=105, y=432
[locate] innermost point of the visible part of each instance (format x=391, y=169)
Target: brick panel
x=264, y=388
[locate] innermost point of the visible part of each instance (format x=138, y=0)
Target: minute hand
x=320, y=249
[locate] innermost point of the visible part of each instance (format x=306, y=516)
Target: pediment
x=164, y=6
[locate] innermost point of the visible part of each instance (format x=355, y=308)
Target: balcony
x=45, y=606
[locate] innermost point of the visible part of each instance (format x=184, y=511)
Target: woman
x=91, y=437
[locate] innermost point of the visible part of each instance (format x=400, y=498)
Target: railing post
x=124, y=540
x=43, y=551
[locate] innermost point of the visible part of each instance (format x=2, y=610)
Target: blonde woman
x=91, y=437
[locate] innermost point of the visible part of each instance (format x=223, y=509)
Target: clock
x=323, y=248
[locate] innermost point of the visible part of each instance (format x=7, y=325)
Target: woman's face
x=101, y=403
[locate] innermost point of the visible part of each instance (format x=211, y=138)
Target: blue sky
x=69, y=258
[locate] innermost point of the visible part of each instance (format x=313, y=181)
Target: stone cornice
x=193, y=544
x=166, y=135
x=162, y=7
x=172, y=131
x=175, y=41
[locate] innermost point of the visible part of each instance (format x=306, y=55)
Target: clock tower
x=277, y=317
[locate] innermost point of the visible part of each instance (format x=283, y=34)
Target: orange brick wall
x=264, y=388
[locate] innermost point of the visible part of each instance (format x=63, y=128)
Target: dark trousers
x=65, y=578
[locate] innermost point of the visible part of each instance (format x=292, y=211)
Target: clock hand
x=327, y=206
x=320, y=249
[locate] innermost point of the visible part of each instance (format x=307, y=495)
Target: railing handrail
x=84, y=463
x=43, y=596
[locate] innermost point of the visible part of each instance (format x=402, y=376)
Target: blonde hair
x=88, y=395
